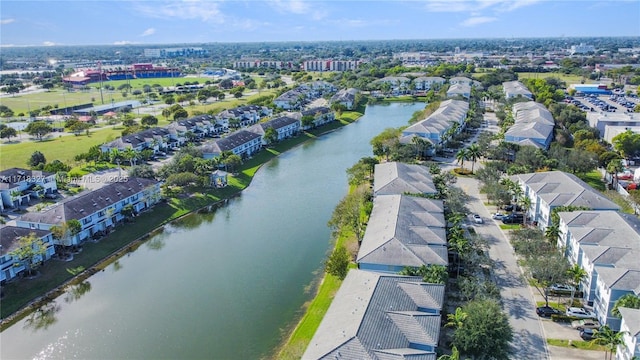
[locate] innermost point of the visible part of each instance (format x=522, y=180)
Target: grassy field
x=593, y=178
x=23, y=103
x=581, y=344
x=568, y=78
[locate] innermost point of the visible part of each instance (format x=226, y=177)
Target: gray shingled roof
x=448, y=112
x=230, y=142
x=11, y=177
x=516, y=88
x=87, y=203
x=400, y=178
x=459, y=89
x=620, y=279
x=373, y=316
x=613, y=256
x=345, y=95
x=9, y=236
x=631, y=318
x=558, y=188
x=404, y=231
x=603, y=228
x=276, y=123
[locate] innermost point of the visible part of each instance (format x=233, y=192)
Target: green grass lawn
x=553, y=304
x=63, y=148
x=581, y=344
x=593, y=178
x=22, y=103
x=510, y=226
x=568, y=78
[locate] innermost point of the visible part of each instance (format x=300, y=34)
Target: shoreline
x=133, y=244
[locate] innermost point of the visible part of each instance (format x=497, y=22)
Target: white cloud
x=184, y=10
x=49, y=43
x=7, y=21
x=473, y=21
x=477, y=5
x=149, y=31
x=123, y=42
x=299, y=7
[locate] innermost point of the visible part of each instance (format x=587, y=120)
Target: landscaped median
x=21, y=297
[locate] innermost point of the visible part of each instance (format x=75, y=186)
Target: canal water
x=223, y=284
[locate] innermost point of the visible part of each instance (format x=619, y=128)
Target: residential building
x=436, y=127
x=533, y=125
x=612, y=284
x=397, y=84
x=98, y=211
x=345, y=97
x=403, y=231
x=630, y=329
x=581, y=49
x=156, y=139
x=244, y=116
x=175, y=52
x=459, y=89
x=321, y=115
x=513, y=89
x=551, y=189
x=242, y=143
x=395, y=178
x=284, y=126
x=460, y=80
x=379, y=317
x=292, y=99
x=266, y=64
x=10, y=267
x=425, y=83
x=18, y=186
x=594, y=239
x=330, y=65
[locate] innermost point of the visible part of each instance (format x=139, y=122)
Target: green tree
x=456, y=320
x=232, y=162
x=338, y=263
x=485, y=333
x=613, y=168
x=37, y=159
x=29, y=252
x=576, y=274
x=385, y=141
x=461, y=156
x=39, y=129
x=8, y=132
x=628, y=301
x=180, y=114
x=473, y=153
x=628, y=143
x=149, y=120
x=609, y=339
x=270, y=135
x=348, y=214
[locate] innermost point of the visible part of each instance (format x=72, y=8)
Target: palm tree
x=461, y=156
x=455, y=355
x=474, y=153
x=457, y=318
x=609, y=338
x=552, y=232
x=613, y=168
x=576, y=275
x=525, y=202
x=628, y=301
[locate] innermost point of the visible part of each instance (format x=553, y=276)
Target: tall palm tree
x=552, y=232
x=461, y=156
x=474, y=153
x=628, y=301
x=455, y=355
x=576, y=275
x=525, y=202
x=609, y=338
x=457, y=318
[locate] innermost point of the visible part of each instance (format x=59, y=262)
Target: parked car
x=546, y=311
x=561, y=288
x=513, y=219
x=477, y=219
x=580, y=313
x=511, y=207
x=585, y=324
x=498, y=216
x=587, y=334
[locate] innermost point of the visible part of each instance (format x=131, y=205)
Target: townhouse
x=403, y=231
x=321, y=115
x=395, y=178
x=345, y=97
x=156, y=139
x=630, y=328
x=513, y=89
x=533, y=125
x=548, y=190
x=292, y=99
x=425, y=83
x=242, y=143
x=243, y=116
x=612, y=284
x=380, y=316
x=18, y=186
x=97, y=211
x=285, y=127
x=460, y=80
x=459, y=89
x=10, y=266
x=435, y=127
x=397, y=84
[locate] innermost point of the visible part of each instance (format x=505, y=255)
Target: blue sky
x=24, y=22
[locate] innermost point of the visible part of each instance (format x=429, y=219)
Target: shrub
x=563, y=318
x=461, y=171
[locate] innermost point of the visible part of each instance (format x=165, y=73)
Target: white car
x=580, y=313
x=477, y=219
x=498, y=216
x=561, y=288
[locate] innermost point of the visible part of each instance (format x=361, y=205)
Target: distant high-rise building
x=175, y=52
x=582, y=49
x=330, y=65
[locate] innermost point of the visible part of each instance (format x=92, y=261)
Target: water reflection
x=43, y=317
x=156, y=243
x=116, y=265
x=76, y=291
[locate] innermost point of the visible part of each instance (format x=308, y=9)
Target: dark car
x=511, y=207
x=513, y=219
x=587, y=334
x=546, y=311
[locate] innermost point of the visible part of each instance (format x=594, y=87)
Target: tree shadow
x=43, y=317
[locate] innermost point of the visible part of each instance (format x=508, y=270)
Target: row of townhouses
x=19, y=186
x=435, y=127
x=513, y=89
x=533, y=125
x=296, y=98
x=377, y=314
x=459, y=85
x=97, y=211
x=309, y=65
x=602, y=241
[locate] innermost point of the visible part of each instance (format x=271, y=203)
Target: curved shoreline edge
x=132, y=245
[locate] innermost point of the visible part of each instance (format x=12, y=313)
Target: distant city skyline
x=49, y=23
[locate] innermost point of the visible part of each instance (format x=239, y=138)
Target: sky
x=114, y=22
